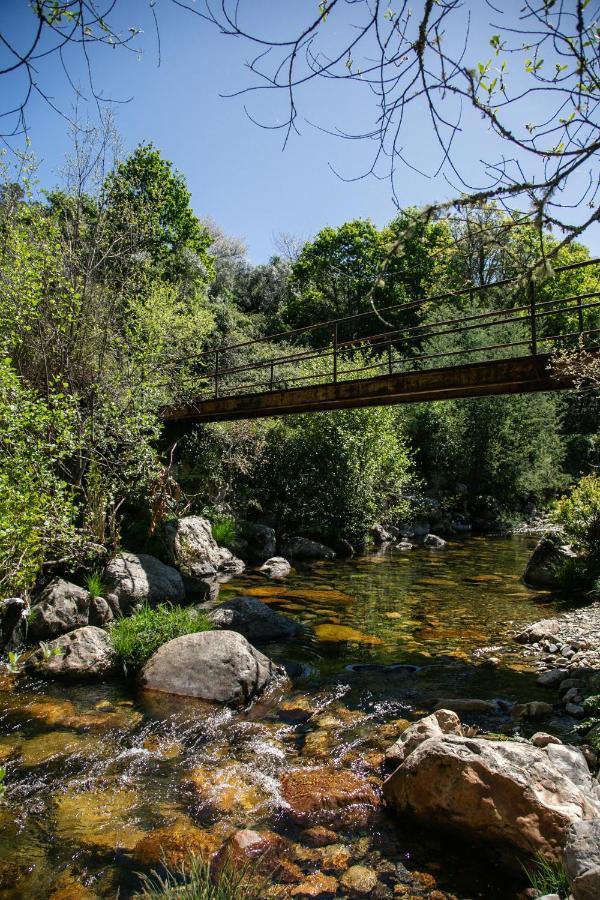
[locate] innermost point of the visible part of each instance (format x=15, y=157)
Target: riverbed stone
x=137, y=578
x=254, y=619
x=540, y=571
x=219, y=666
x=85, y=654
x=542, y=739
x=442, y=721
x=552, y=677
x=582, y=859
x=539, y=631
x=359, y=881
x=328, y=796
x=99, y=820
x=535, y=709
x=507, y=793
x=318, y=836
x=229, y=791
x=434, y=542
x=174, y=845
x=195, y=551
x=62, y=607
x=276, y=567
x=297, y=547
x=317, y=886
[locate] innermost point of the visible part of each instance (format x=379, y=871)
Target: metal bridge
x=473, y=342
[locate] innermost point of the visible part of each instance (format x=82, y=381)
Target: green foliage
x=579, y=514
x=137, y=637
x=573, y=575
x=195, y=881
x=94, y=584
x=2, y=781
x=12, y=663
x=224, y=531
x=548, y=877
x=48, y=652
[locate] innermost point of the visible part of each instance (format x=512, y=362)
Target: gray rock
x=403, y=545
x=535, y=709
x=62, y=607
x=218, y=666
x=13, y=619
x=200, y=590
x=582, y=859
x=575, y=710
x=542, y=739
x=539, y=631
x=433, y=542
x=139, y=578
x=194, y=550
x=552, y=677
x=380, y=534
x=276, y=567
x=302, y=548
x=540, y=571
x=254, y=619
x=85, y=654
x=262, y=541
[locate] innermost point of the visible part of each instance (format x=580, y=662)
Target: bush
x=224, y=531
x=580, y=516
x=573, y=575
x=137, y=637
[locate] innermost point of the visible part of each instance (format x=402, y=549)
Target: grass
x=137, y=637
x=194, y=882
x=573, y=575
x=224, y=531
x=94, y=584
x=548, y=877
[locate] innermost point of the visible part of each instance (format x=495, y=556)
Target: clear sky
x=237, y=173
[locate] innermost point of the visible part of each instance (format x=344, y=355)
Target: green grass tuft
x=224, y=531
x=137, y=637
x=548, y=877
x=195, y=882
x=94, y=584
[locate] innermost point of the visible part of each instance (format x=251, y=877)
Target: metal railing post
x=580, y=317
x=532, y=317
x=216, y=374
x=389, y=349
x=335, y=351
x=271, y=379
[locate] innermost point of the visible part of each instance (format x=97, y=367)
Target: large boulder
x=582, y=859
x=195, y=551
x=85, y=654
x=302, y=548
x=276, y=567
x=443, y=721
x=219, y=666
x=336, y=798
x=254, y=619
x=13, y=618
x=510, y=794
x=139, y=578
x=262, y=541
x=549, y=554
x=62, y=607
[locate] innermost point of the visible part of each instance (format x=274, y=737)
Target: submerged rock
x=85, y=654
x=503, y=792
x=175, y=845
x=228, y=791
x=359, y=881
x=302, y=548
x=195, y=551
x=276, y=567
x=327, y=796
x=99, y=820
x=254, y=619
x=140, y=578
x=219, y=666
x=63, y=607
x=316, y=885
x=543, y=563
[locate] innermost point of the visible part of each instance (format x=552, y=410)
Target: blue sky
x=237, y=173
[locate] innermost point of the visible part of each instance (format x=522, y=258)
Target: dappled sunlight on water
x=94, y=771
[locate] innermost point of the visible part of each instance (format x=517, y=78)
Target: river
x=93, y=769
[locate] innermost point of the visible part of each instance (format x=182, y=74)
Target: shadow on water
x=92, y=769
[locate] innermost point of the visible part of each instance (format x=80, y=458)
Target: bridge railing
x=438, y=331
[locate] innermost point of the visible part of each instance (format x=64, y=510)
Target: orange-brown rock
x=175, y=845
x=260, y=851
x=316, y=886
x=318, y=836
x=227, y=791
x=67, y=887
x=335, y=859
x=359, y=881
x=327, y=796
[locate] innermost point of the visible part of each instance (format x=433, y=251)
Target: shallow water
x=92, y=770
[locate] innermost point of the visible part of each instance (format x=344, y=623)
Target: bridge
x=473, y=342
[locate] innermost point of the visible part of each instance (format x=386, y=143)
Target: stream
x=92, y=770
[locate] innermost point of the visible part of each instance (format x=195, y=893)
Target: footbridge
x=477, y=341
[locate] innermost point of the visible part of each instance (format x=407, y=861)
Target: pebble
x=359, y=881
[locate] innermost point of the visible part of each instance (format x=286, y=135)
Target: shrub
x=137, y=637
x=580, y=516
x=224, y=531
x=194, y=881
x=573, y=575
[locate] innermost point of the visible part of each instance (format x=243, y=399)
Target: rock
x=195, y=551
x=302, y=548
x=328, y=796
x=540, y=571
x=465, y=704
x=262, y=541
x=300, y=709
x=443, y=721
x=276, y=567
x=541, y=739
x=539, y=631
x=254, y=619
x=219, y=666
x=359, y=881
x=404, y=545
x=381, y=535
x=575, y=710
x=503, y=792
x=63, y=607
x=85, y=654
x=318, y=836
x=174, y=845
x=13, y=618
x=552, y=677
x=98, y=820
x=227, y=791
x=259, y=852
x=200, y=590
x=434, y=542
x=420, y=528
x=316, y=885
x=139, y=578
x=536, y=709
x=343, y=548
x=582, y=859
